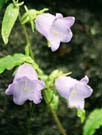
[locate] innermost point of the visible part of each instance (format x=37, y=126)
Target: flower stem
x=60, y=127
x=28, y=48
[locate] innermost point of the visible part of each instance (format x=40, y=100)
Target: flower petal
x=69, y=20
x=77, y=95
x=59, y=15
x=9, y=90
x=66, y=36
x=43, y=23
x=85, y=79
x=26, y=70
x=35, y=92
x=64, y=85
x=59, y=31
x=83, y=90
x=24, y=89
x=75, y=101
x=54, y=43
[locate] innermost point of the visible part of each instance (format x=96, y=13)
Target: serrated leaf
x=9, y=19
x=9, y=62
x=81, y=114
x=93, y=122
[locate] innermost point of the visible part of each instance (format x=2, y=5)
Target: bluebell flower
x=73, y=90
x=56, y=29
x=26, y=85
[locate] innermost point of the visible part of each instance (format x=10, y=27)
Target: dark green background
x=83, y=55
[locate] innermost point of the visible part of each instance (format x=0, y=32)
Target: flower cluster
x=27, y=86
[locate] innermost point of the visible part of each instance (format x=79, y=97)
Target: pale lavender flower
x=73, y=90
x=56, y=29
x=26, y=85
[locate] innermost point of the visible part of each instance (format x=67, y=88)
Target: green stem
x=28, y=48
x=60, y=127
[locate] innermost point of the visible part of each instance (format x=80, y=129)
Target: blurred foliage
x=83, y=55
x=2, y=2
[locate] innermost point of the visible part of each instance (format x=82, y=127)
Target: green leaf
x=9, y=19
x=93, y=122
x=9, y=62
x=81, y=114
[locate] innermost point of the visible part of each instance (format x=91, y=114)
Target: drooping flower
x=26, y=85
x=73, y=90
x=56, y=29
